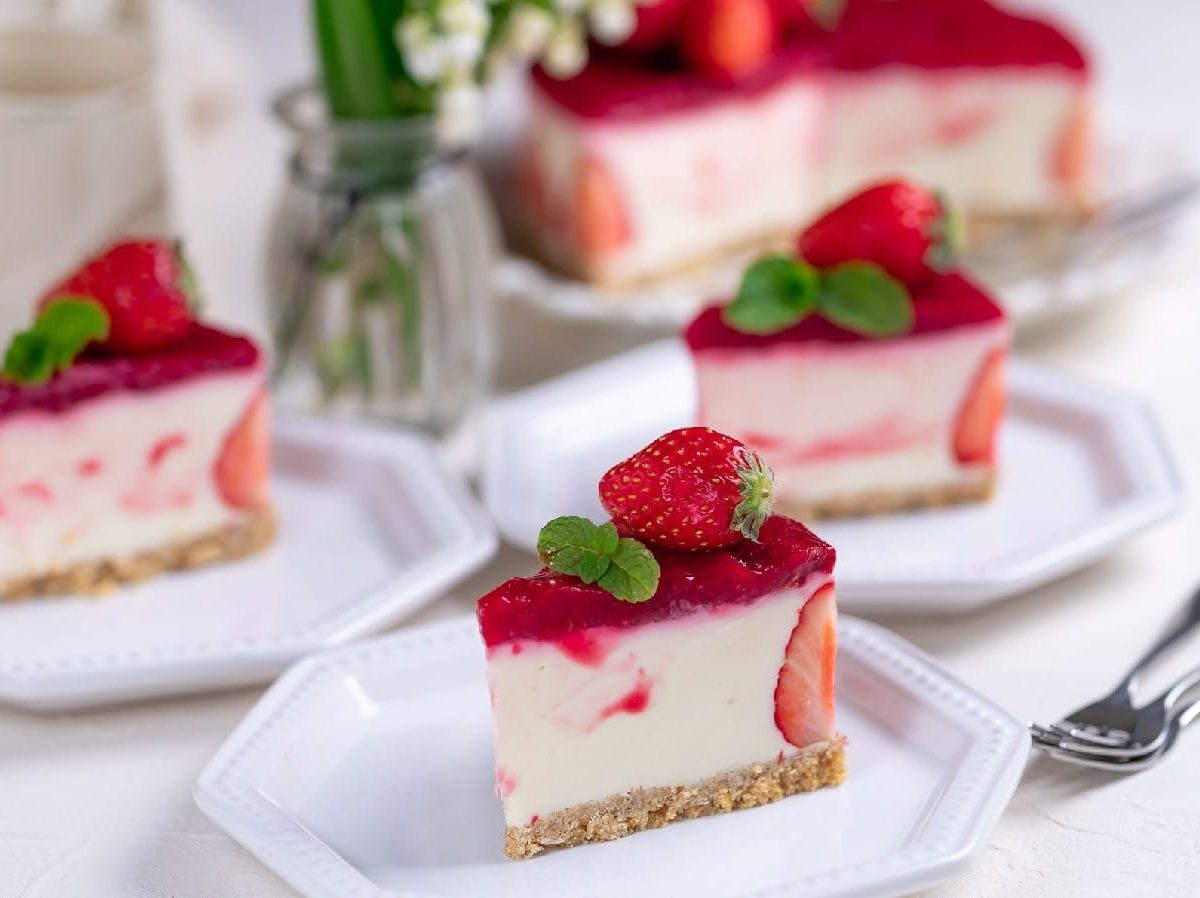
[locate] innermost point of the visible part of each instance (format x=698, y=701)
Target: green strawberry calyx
x=756, y=485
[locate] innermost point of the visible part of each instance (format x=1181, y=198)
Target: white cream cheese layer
x=839, y=420
x=118, y=474
x=668, y=703
x=991, y=138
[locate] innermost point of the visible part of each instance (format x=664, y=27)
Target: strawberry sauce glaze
x=554, y=607
x=948, y=301
x=204, y=350
x=926, y=34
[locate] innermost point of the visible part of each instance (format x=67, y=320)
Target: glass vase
x=380, y=271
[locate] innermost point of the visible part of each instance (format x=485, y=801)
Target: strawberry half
x=143, y=285
x=601, y=224
x=804, y=691
x=729, y=38
x=980, y=414
x=903, y=228
x=691, y=489
x=244, y=466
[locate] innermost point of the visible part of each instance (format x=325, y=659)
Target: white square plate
x=1081, y=470
x=371, y=527
x=366, y=772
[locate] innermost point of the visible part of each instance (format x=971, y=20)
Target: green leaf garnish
x=776, y=292
x=61, y=332
x=862, y=297
x=597, y=554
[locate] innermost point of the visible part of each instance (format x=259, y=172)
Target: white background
x=97, y=805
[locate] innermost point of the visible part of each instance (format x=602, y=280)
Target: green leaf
x=862, y=297
x=61, y=332
x=564, y=542
x=776, y=292
x=633, y=574
x=597, y=554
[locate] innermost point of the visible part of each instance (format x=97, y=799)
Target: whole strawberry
x=729, y=38
x=692, y=488
x=143, y=286
x=903, y=228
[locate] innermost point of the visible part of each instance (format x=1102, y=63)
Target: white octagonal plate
x=366, y=772
x=1081, y=470
x=372, y=527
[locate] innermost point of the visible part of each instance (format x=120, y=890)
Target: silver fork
x=1150, y=732
x=1111, y=721
x=1086, y=756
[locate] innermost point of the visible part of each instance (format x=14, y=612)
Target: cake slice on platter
x=133, y=439
x=866, y=370
x=725, y=124
x=675, y=662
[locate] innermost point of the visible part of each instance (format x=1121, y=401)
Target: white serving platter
x=367, y=772
x=1082, y=470
x=372, y=527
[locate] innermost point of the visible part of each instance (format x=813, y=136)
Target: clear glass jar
x=380, y=271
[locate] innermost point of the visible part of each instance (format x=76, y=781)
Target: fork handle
x=1184, y=621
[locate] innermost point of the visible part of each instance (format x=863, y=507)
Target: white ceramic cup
x=81, y=159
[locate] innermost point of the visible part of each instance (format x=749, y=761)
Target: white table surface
x=97, y=804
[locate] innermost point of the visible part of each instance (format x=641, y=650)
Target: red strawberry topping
x=143, y=286
x=657, y=24
x=804, y=692
x=903, y=228
x=729, y=38
x=691, y=489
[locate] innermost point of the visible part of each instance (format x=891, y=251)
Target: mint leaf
x=564, y=543
x=775, y=293
x=862, y=297
x=596, y=554
x=633, y=574
x=61, y=332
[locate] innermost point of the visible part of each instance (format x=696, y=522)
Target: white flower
x=460, y=113
x=413, y=32
x=424, y=53
x=612, y=20
x=529, y=30
x=465, y=17
x=463, y=50
x=566, y=53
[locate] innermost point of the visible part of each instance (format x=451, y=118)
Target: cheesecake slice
x=122, y=463
x=854, y=422
x=715, y=692
x=643, y=165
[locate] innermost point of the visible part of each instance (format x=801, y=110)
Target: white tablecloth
x=97, y=804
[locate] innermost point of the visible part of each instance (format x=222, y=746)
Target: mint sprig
x=598, y=554
x=775, y=294
x=61, y=332
x=778, y=292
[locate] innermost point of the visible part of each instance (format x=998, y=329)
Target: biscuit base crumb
x=822, y=764
x=248, y=537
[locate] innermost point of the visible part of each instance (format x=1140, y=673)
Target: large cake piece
x=650, y=161
x=854, y=420
x=147, y=452
x=620, y=708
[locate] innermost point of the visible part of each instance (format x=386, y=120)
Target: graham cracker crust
x=249, y=537
x=823, y=764
x=887, y=501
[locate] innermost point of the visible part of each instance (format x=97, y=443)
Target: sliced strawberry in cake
x=132, y=438
x=717, y=663
x=867, y=372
